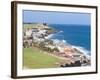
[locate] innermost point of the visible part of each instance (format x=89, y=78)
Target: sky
x=50, y=17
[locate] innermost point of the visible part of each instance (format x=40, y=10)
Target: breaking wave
x=49, y=36
x=83, y=50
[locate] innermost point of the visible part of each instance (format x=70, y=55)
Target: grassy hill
x=35, y=58
x=39, y=26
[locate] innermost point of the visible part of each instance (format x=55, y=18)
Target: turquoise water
x=77, y=35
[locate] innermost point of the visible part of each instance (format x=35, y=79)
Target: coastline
x=57, y=47
x=81, y=49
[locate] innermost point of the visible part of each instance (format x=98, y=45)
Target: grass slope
x=35, y=58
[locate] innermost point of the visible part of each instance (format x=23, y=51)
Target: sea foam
x=83, y=50
x=49, y=36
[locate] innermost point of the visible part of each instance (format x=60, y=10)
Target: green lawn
x=35, y=58
x=28, y=25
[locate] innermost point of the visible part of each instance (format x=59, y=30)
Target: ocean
x=76, y=35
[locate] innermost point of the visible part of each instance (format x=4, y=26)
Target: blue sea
x=77, y=35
